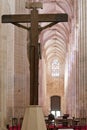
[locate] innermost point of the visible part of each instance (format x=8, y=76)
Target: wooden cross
x=34, y=18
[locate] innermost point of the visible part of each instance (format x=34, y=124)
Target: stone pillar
x=21, y=64
x=71, y=70
x=82, y=59
x=6, y=65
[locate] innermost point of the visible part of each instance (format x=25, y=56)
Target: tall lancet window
x=55, y=68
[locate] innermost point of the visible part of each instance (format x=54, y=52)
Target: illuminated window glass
x=55, y=68
x=56, y=113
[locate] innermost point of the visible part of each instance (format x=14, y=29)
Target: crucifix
x=34, y=18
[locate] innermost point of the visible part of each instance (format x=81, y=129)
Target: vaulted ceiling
x=56, y=38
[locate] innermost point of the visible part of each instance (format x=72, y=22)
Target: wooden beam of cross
x=34, y=18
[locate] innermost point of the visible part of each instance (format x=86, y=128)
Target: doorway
x=56, y=105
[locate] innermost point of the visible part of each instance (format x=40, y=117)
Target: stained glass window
x=55, y=68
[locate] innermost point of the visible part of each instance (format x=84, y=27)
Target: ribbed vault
x=56, y=38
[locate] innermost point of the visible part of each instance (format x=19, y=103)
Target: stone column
x=6, y=65
x=82, y=59
x=70, y=75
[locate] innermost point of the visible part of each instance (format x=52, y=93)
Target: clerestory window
x=55, y=68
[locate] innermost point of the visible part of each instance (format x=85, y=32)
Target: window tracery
x=55, y=68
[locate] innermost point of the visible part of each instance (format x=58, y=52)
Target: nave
x=62, y=67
